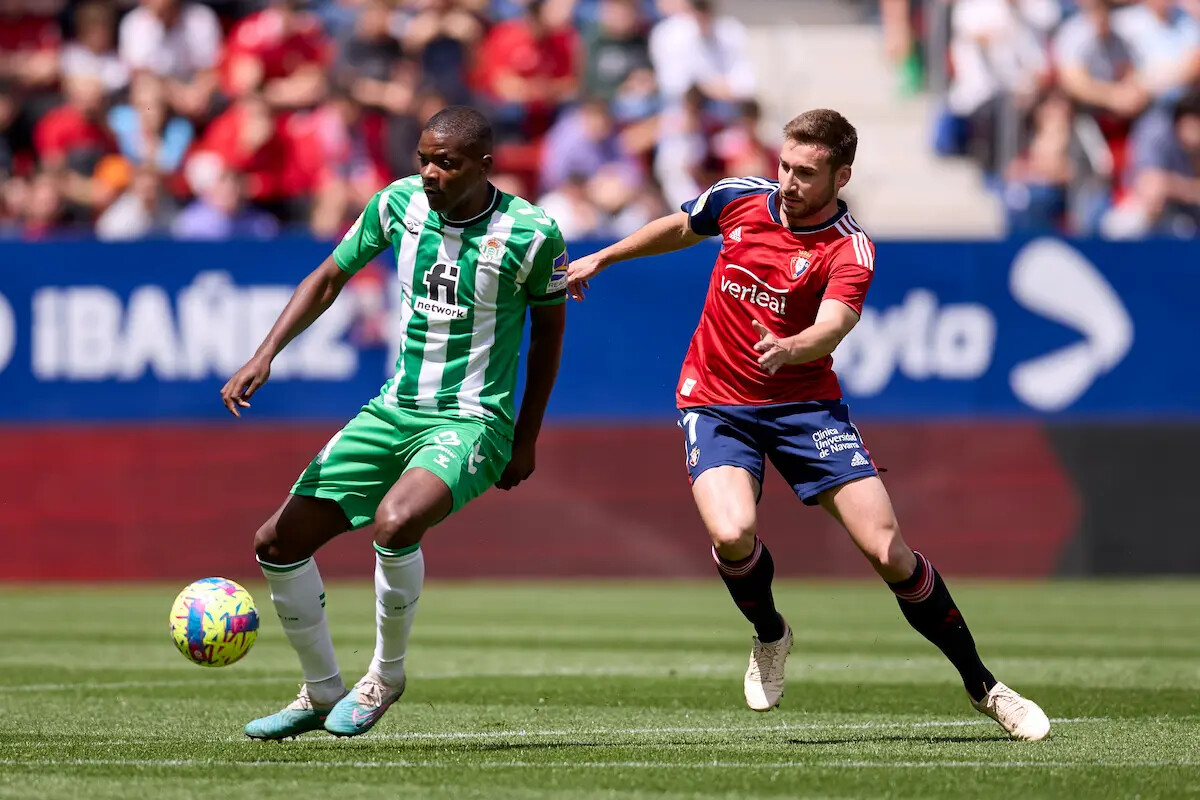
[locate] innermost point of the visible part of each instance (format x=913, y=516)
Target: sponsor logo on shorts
x=859, y=460
x=831, y=440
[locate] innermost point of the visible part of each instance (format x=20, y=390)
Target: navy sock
x=927, y=605
x=749, y=584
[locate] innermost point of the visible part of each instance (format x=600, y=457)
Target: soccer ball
x=214, y=622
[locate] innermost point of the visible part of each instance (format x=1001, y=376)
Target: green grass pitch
x=612, y=690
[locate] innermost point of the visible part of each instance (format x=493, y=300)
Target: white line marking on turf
x=800, y=726
x=459, y=765
x=92, y=686
x=597, y=732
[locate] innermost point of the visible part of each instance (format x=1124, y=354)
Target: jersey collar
x=773, y=208
x=492, y=205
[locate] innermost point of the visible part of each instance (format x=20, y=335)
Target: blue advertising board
x=1047, y=328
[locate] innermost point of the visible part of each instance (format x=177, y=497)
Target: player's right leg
x=284, y=546
x=725, y=467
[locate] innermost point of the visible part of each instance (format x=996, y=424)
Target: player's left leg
x=864, y=509
x=452, y=463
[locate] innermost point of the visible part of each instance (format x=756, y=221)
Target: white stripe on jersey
x=483, y=333
x=385, y=221
x=858, y=239
x=437, y=331
x=730, y=183
x=535, y=244
x=858, y=253
x=406, y=260
x=867, y=252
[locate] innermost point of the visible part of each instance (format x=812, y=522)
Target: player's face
x=808, y=183
x=450, y=174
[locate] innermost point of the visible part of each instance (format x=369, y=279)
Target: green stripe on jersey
x=464, y=297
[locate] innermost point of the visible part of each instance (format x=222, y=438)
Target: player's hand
x=774, y=353
x=244, y=383
x=520, y=466
x=578, y=273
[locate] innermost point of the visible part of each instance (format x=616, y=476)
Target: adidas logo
x=859, y=460
x=736, y=236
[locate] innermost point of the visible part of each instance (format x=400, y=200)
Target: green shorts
x=365, y=458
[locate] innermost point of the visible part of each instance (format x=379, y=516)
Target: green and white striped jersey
x=465, y=287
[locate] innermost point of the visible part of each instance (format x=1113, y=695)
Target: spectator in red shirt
x=29, y=40
x=279, y=158
x=70, y=141
x=527, y=68
x=75, y=131
x=280, y=51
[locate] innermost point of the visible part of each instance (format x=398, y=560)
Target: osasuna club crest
x=800, y=262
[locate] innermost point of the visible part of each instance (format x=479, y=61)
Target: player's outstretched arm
x=663, y=235
x=545, y=351
x=314, y=294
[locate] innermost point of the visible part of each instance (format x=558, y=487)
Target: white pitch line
x=596, y=732
x=801, y=726
x=460, y=765
x=565, y=672
x=99, y=686
x=560, y=672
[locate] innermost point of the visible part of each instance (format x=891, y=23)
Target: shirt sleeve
x=134, y=46
x=704, y=213
x=1070, y=45
x=367, y=237
x=851, y=272
x=547, y=283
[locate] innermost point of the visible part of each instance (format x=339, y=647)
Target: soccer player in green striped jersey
x=470, y=260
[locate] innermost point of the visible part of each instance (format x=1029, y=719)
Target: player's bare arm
x=663, y=235
x=545, y=351
x=314, y=294
x=834, y=320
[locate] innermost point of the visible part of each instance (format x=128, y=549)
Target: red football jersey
x=777, y=275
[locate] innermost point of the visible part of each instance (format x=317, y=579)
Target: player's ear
x=485, y=164
x=843, y=176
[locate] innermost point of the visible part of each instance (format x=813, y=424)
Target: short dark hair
x=465, y=124
x=825, y=128
x=1188, y=105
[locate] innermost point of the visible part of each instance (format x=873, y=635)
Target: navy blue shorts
x=814, y=446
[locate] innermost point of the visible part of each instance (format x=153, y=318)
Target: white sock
x=299, y=597
x=399, y=575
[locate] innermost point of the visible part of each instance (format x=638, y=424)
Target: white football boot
x=1020, y=716
x=764, y=677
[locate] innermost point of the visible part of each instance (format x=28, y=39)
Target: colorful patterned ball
x=214, y=622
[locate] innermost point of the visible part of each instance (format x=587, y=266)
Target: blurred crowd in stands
x=135, y=118
x=1084, y=115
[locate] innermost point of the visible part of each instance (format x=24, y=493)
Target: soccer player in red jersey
x=758, y=384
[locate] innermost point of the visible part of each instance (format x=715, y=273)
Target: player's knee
x=398, y=525
x=732, y=534
x=889, y=554
x=269, y=548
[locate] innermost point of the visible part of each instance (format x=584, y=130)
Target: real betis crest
x=492, y=251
